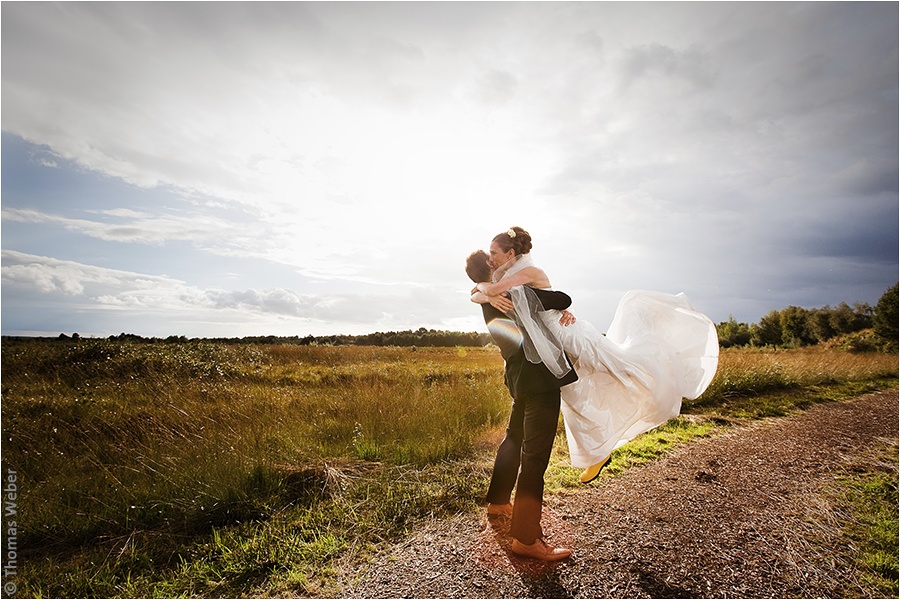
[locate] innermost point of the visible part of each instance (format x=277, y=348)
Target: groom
x=524, y=454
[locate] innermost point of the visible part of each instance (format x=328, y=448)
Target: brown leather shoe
x=540, y=550
x=500, y=510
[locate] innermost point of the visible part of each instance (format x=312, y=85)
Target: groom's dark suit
x=525, y=451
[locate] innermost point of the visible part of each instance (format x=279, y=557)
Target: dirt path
x=723, y=517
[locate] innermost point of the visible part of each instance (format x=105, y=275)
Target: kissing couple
x=610, y=388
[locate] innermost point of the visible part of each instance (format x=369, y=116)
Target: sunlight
x=505, y=329
x=385, y=183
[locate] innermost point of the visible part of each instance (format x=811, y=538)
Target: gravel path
x=728, y=516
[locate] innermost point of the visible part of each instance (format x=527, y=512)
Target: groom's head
x=477, y=267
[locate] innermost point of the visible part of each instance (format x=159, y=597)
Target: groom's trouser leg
x=509, y=454
x=541, y=417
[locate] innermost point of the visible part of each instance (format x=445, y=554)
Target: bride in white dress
x=657, y=351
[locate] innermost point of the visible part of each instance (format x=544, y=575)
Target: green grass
x=291, y=550
x=862, y=507
x=136, y=462
x=871, y=496
x=202, y=469
x=644, y=448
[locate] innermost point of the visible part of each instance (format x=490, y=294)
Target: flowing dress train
x=657, y=351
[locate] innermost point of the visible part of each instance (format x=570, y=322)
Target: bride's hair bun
x=515, y=238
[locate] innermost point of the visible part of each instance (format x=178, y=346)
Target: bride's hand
x=566, y=319
x=501, y=303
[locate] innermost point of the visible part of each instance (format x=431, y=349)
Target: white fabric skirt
x=657, y=351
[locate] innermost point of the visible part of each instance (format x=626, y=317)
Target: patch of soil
x=729, y=516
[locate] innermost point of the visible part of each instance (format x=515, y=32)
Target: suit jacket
x=523, y=378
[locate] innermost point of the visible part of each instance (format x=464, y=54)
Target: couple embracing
x=609, y=388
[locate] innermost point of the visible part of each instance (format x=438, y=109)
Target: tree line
x=418, y=337
x=860, y=327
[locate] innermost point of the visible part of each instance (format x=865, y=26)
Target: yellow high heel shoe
x=592, y=472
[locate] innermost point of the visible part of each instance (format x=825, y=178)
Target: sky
x=240, y=169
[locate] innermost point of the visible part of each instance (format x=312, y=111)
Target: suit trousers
x=522, y=459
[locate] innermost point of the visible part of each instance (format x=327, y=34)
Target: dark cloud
x=691, y=65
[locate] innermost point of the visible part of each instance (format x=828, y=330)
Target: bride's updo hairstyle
x=516, y=238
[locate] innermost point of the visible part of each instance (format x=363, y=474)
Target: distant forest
x=860, y=327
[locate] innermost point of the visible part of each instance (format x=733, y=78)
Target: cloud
x=279, y=301
x=371, y=146
x=496, y=87
x=111, y=288
x=100, y=290
x=128, y=226
x=54, y=275
x=692, y=65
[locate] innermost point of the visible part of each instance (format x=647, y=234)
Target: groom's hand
x=501, y=303
x=566, y=319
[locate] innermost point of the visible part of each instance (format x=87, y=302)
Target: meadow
x=208, y=469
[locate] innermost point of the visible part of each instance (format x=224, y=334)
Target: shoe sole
x=556, y=558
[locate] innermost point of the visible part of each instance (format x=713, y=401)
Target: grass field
x=203, y=469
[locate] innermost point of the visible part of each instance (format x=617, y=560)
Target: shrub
x=885, y=319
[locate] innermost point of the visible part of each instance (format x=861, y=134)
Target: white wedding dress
x=657, y=351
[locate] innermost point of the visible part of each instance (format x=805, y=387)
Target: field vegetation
x=214, y=469
x=864, y=504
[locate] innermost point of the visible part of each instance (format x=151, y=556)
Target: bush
x=885, y=319
x=860, y=341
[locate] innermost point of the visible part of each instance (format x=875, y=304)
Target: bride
x=657, y=351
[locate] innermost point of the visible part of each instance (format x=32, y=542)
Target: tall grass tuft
x=752, y=383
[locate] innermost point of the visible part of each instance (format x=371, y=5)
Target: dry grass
x=753, y=383
x=146, y=468
x=854, y=523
